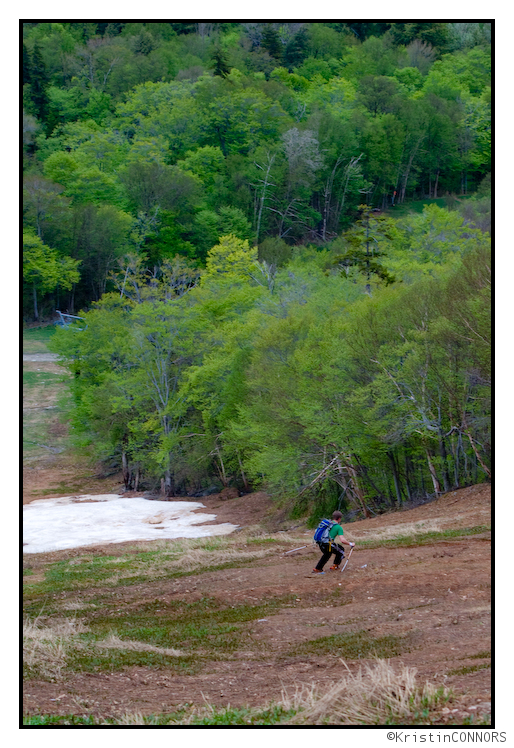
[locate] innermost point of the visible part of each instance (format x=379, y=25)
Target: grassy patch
x=33, y=378
x=475, y=720
x=479, y=655
x=264, y=540
x=45, y=397
x=423, y=538
x=174, y=559
x=469, y=669
x=179, y=635
x=205, y=625
x=92, y=660
x=38, y=720
x=416, y=206
x=273, y=715
x=353, y=646
x=123, y=576
x=36, y=338
x=208, y=715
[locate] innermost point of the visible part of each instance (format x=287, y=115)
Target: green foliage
x=211, y=225
x=130, y=119
x=271, y=41
x=44, y=270
x=355, y=645
x=219, y=63
x=433, y=33
x=361, y=246
x=60, y=167
x=260, y=390
x=232, y=258
x=364, y=352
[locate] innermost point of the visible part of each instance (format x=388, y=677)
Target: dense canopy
x=278, y=234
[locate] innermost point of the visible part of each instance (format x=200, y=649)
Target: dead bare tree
x=266, y=183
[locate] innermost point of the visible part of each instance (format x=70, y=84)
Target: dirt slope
x=434, y=598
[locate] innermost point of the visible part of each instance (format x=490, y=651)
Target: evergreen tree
x=362, y=247
x=219, y=63
x=26, y=65
x=39, y=84
x=271, y=42
x=297, y=49
x=436, y=34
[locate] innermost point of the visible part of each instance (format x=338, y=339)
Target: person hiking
x=330, y=547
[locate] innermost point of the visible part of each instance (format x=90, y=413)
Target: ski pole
x=344, y=567
x=295, y=549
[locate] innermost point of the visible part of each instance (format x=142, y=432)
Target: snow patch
x=74, y=521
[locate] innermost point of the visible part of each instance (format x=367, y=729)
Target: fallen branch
x=319, y=476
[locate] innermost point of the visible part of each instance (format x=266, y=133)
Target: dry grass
x=114, y=642
x=56, y=630
x=406, y=529
x=131, y=719
x=195, y=554
x=45, y=647
x=198, y=558
x=375, y=695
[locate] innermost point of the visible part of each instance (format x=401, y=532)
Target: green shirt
x=334, y=531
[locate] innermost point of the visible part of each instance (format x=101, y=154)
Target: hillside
x=119, y=632
x=251, y=622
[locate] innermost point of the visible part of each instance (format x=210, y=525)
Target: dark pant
x=327, y=552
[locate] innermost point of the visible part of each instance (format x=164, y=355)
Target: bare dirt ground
x=435, y=596
x=49, y=469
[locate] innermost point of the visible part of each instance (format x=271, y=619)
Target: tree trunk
x=328, y=197
x=390, y=494
x=466, y=473
x=408, y=471
x=436, y=183
x=125, y=469
x=409, y=167
x=167, y=484
x=353, y=475
x=364, y=472
x=341, y=479
x=220, y=467
x=422, y=477
x=455, y=452
x=265, y=184
x=477, y=455
x=36, y=313
x=444, y=459
x=435, y=480
x=245, y=482
x=348, y=171
x=395, y=479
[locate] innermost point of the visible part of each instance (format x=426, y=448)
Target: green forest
x=277, y=238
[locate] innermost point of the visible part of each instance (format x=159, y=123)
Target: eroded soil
x=433, y=598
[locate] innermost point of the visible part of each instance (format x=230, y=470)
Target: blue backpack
x=321, y=535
